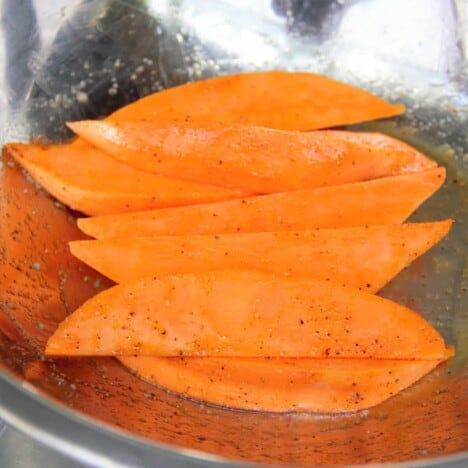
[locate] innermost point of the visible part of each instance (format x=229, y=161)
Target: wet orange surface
x=40, y=283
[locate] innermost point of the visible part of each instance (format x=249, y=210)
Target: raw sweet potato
x=347, y=205
x=277, y=99
x=244, y=314
x=282, y=384
x=253, y=159
x=363, y=257
x=87, y=180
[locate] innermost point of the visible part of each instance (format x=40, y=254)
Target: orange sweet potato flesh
x=276, y=99
x=253, y=159
x=244, y=314
x=363, y=257
x=347, y=205
x=87, y=180
x=283, y=384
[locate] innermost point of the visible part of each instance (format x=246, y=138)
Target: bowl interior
x=70, y=62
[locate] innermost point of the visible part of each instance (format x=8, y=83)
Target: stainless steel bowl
x=68, y=60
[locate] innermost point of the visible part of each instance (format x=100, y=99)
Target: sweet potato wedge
x=347, y=205
x=253, y=159
x=362, y=257
x=244, y=314
x=277, y=99
x=282, y=384
x=88, y=180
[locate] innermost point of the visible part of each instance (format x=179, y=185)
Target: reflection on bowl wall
x=65, y=61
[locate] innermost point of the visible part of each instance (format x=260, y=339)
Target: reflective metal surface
x=18, y=450
x=68, y=60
